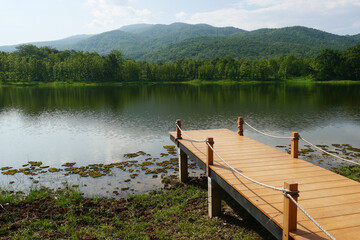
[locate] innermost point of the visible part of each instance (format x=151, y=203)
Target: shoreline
x=174, y=211
x=189, y=82
x=177, y=211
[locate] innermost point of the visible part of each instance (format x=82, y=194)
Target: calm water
x=89, y=125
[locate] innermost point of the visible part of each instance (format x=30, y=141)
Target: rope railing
x=333, y=155
x=248, y=178
x=191, y=139
x=235, y=170
x=309, y=216
x=256, y=130
x=306, y=141
x=288, y=193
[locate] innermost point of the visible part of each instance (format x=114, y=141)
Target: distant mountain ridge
x=161, y=43
x=61, y=44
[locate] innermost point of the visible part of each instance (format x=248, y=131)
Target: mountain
x=160, y=43
x=262, y=43
x=61, y=44
x=356, y=37
x=137, y=40
x=136, y=28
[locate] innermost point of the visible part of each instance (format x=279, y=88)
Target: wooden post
x=290, y=210
x=210, y=155
x=240, y=126
x=214, y=198
x=183, y=166
x=178, y=132
x=294, y=144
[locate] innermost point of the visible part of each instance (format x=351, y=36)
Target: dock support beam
x=290, y=210
x=214, y=198
x=294, y=144
x=183, y=166
x=183, y=163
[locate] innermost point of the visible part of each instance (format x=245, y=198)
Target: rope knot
x=296, y=138
x=288, y=192
x=209, y=142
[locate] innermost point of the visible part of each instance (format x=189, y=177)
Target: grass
x=297, y=80
x=178, y=212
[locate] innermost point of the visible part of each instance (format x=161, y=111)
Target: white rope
x=343, y=159
x=248, y=178
x=285, y=191
x=266, y=133
x=191, y=139
x=308, y=215
x=316, y=147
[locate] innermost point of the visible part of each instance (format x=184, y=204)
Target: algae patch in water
x=170, y=149
x=142, y=165
x=54, y=170
x=5, y=168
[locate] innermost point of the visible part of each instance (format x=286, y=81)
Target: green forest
x=44, y=64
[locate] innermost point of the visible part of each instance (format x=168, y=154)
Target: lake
x=99, y=124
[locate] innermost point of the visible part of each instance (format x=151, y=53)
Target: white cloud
x=180, y=15
x=337, y=16
x=112, y=14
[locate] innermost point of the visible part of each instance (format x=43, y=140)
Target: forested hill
x=258, y=44
x=162, y=43
x=135, y=41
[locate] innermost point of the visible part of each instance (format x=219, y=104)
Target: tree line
x=44, y=64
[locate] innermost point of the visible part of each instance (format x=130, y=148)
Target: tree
x=328, y=65
x=113, y=65
x=352, y=62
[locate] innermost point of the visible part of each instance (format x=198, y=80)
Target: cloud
x=336, y=16
x=180, y=15
x=112, y=14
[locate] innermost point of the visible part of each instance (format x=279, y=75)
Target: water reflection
x=99, y=124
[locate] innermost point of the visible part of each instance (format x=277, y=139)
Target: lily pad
x=5, y=168
x=54, y=169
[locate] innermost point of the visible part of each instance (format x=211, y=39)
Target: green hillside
x=162, y=43
x=258, y=44
x=137, y=40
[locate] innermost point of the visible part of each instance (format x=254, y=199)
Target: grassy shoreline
x=301, y=80
x=177, y=212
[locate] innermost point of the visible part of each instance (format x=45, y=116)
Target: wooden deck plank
x=324, y=178
x=304, y=188
x=295, y=177
x=326, y=212
x=324, y=201
x=315, y=195
x=343, y=233
x=331, y=199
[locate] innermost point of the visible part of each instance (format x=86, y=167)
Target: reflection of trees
x=283, y=104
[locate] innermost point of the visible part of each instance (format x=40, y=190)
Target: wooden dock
x=331, y=199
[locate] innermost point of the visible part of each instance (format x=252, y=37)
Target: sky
x=23, y=21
